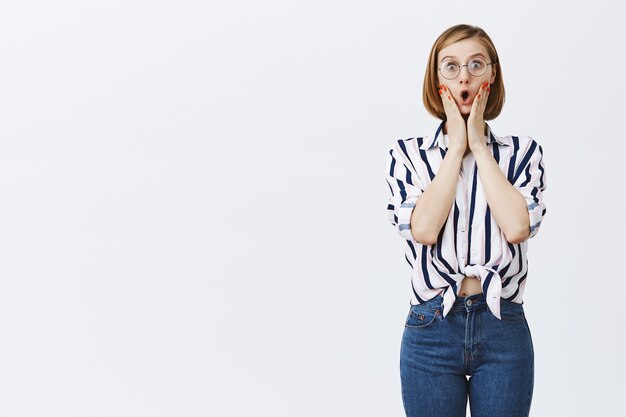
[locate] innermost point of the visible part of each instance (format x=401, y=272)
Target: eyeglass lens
x=450, y=68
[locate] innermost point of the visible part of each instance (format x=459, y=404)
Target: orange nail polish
x=478, y=96
x=449, y=98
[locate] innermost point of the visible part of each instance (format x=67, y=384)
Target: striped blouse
x=470, y=243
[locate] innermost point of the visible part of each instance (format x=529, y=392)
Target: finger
x=481, y=97
x=450, y=105
x=481, y=92
x=485, y=93
x=444, y=92
x=443, y=102
x=475, y=104
x=477, y=100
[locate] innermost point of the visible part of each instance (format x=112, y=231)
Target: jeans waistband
x=474, y=298
x=471, y=302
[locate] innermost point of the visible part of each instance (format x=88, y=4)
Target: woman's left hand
x=475, y=122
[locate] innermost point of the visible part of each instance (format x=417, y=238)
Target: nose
x=464, y=75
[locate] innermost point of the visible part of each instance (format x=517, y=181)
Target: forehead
x=463, y=49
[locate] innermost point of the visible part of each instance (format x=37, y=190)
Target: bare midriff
x=470, y=286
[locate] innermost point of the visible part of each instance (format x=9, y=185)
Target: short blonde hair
x=431, y=96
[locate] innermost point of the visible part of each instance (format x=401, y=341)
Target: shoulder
x=404, y=143
x=523, y=143
x=405, y=148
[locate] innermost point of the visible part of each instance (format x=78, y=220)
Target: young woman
x=466, y=201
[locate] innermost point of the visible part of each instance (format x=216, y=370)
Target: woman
x=466, y=201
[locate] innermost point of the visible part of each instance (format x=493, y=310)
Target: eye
x=449, y=65
x=476, y=64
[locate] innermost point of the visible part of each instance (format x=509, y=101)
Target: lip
x=470, y=97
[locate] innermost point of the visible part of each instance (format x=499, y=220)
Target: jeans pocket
x=511, y=311
x=420, y=316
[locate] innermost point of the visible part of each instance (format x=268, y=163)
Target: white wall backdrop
x=193, y=204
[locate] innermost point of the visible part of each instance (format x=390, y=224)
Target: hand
x=457, y=130
x=475, y=121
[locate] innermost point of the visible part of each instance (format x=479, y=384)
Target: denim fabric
x=439, y=354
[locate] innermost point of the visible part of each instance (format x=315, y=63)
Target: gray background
x=193, y=217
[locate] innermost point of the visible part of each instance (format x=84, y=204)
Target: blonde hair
x=431, y=97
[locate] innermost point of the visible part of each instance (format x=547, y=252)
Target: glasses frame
x=468, y=71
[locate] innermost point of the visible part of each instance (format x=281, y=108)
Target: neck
x=445, y=127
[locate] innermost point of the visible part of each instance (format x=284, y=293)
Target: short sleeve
x=405, y=188
x=531, y=183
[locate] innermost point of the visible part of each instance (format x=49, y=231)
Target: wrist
x=481, y=149
x=456, y=150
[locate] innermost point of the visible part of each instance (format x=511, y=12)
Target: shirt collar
x=438, y=140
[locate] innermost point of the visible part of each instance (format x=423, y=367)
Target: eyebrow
x=450, y=56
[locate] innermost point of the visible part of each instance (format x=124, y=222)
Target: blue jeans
x=439, y=353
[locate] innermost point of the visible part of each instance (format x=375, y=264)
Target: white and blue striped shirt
x=470, y=243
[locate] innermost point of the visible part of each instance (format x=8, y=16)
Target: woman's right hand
x=457, y=129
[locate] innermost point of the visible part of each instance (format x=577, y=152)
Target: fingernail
x=449, y=98
x=440, y=92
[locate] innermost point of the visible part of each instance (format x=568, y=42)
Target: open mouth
x=465, y=96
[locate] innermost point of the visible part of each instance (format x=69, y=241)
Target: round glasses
x=450, y=69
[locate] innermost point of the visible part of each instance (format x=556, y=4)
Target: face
x=463, y=52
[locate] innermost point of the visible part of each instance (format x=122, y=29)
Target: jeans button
x=469, y=302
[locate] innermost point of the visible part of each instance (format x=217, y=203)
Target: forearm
x=433, y=206
x=507, y=204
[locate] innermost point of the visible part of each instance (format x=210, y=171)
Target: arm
x=417, y=211
x=405, y=187
x=507, y=205
x=433, y=206
x=531, y=183
x=517, y=208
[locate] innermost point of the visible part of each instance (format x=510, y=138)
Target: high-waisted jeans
x=438, y=354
